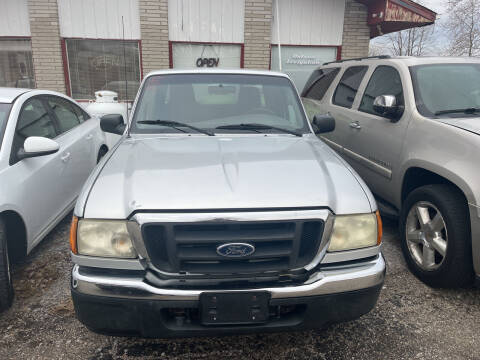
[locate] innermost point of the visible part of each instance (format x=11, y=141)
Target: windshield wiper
x=174, y=124
x=255, y=127
x=471, y=110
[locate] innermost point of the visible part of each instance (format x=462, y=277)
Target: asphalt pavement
x=410, y=321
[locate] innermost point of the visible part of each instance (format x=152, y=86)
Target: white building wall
x=309, y=22
x=14, y=19
x=206, y=20
x=99, y=19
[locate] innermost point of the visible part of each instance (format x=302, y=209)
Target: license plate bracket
x=234, y=308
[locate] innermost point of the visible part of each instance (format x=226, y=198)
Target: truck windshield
x=4, y=111
x=219, y=103
x=447, y=90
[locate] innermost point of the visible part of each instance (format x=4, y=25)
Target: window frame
x=368, y=83
x=23, y=38
x=66, y=67
x=367, y=68
x=13, y=156
x=319, y=78
x=57, y=120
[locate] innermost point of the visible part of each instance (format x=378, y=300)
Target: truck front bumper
x=127, y=305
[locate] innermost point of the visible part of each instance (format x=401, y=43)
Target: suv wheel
x=435, y=233
x=6, y=285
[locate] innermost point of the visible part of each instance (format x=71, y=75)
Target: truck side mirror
x=113, y=124
x=386, y=106
x=323, y=123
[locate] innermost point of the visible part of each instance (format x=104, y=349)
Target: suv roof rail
x=359, y=59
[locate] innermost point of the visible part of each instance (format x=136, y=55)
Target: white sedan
x=48, y=147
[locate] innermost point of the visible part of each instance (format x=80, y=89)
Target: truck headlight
x=106, y=238
x=356, y=231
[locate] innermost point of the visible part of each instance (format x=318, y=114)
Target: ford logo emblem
x=235, y=250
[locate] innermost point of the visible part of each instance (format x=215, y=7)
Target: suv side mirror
x=323, y=123
x=37, y=146
x=112, y=123
x=386, y=106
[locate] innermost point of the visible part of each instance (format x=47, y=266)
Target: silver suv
x=219, y=211
x=410, y=127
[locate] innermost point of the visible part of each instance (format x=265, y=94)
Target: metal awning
x=387, y=16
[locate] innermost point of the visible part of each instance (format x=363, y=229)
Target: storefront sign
x=297, y=59
x=208, y=62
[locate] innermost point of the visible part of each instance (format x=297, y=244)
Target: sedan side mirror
x=112, y=124
x=37, y=146
x=323, y=123
x=386, y=106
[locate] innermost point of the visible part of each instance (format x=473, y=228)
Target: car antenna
x=125, y=74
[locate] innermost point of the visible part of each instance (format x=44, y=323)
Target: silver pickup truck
x=220, y=211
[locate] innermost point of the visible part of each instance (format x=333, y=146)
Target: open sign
x=208, y=62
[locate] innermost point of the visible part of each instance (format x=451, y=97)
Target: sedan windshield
x=447, y=90
x=219, y=103
x=4, y=111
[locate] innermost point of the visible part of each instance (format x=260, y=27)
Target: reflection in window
x=348, y=86
x=16, y=64
x=99, y=65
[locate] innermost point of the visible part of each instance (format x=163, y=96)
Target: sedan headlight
x=107, y=238
x=356, y=231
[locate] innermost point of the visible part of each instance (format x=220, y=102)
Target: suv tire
x=438, y=252
x=6, y=284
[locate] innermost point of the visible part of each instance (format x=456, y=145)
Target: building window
x=16, y=64
x=300, y=61
x=188, y=56
x=99, y=65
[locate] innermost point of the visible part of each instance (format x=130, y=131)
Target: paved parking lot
x=411, y=321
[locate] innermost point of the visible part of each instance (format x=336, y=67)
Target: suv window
x=385, y=80
x=348, y=86
x=63, y=110
x=322, y=80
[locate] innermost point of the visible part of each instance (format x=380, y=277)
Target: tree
x=463, y=28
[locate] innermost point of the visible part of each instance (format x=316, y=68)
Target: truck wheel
x=435, y=233
x=6, y=285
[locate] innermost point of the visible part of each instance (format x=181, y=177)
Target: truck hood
x=469, y=124
x=195, y=172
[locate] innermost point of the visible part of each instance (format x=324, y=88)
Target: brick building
x=80, y=46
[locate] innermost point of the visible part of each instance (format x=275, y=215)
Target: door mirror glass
x=386, y=105
x=37, y=146
x=112, y=124
x=323, y=123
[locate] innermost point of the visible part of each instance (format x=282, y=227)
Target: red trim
x=170, y=55
x=66, y=71
x=270, y=58
x=170, y=49
x=91, y=38
x=339, y=52
x=141, y=59
x=416, y=8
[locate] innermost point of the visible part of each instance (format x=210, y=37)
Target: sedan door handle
x=355, y=125
x=65, y=157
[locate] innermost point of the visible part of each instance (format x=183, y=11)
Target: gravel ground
x=410, y=321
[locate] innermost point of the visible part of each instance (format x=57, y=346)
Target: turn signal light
x=379, y=228
x=73, y=235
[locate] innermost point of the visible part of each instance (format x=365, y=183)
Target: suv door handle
x=355, y=125
x=65, y=157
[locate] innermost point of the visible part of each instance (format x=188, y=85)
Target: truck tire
x=6, y=284
x=435, y=236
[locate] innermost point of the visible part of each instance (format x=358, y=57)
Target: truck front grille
x=192, y=248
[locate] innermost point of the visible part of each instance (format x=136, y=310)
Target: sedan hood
x=166, y=173
x=469, y=124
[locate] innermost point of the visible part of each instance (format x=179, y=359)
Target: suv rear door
x=375, y=145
